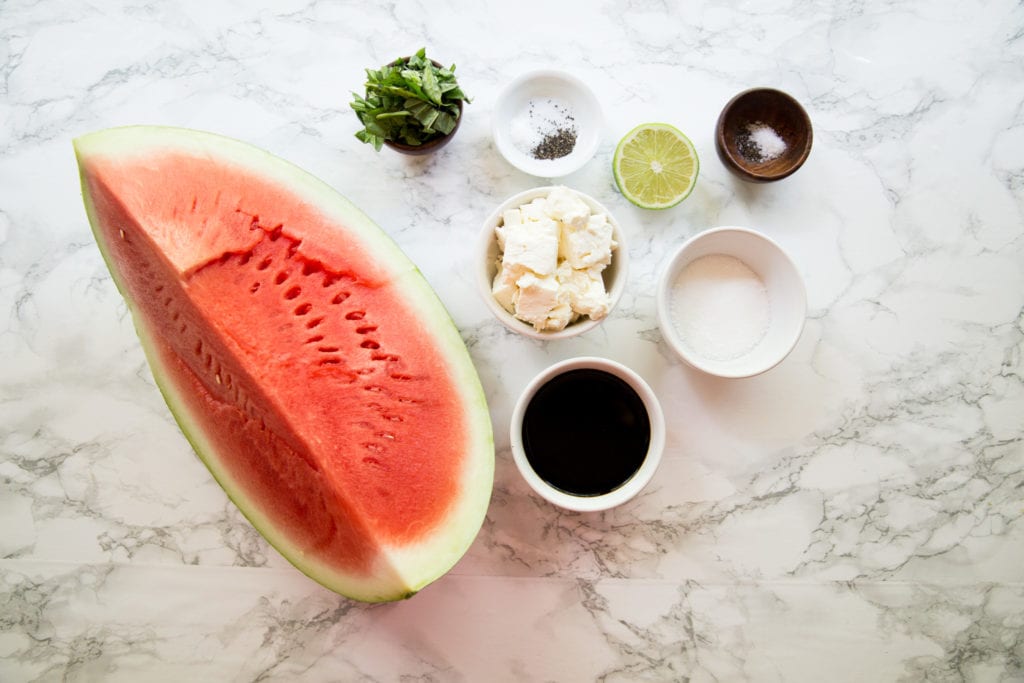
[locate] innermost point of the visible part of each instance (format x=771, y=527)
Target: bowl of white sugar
x=731, y=302
x=547, y=123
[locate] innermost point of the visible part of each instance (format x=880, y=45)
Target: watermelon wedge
x=310, y=365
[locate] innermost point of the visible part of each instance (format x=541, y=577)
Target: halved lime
x=655, y=166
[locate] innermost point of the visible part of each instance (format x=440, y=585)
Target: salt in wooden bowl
x=763, y=135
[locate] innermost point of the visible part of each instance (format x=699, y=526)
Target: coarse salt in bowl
x=731, y=302
x=487, y=251
x=547, y=123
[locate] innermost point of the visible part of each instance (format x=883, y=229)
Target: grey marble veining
x=855, y=514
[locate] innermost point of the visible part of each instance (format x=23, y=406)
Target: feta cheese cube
x=590, y=297
x=588, y=246
x=508, y=218
x=538, y=296
x=532, y=246
x=504, y=287
x=566, y=206
x=535, y=210
x=585, y=290
x=559, y=317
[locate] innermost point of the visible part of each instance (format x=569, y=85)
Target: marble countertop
x=855, y=514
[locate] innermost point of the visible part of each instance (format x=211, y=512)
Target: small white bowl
x=635, y=483
x=787, y=300
x=513, y=104
x=487, y=253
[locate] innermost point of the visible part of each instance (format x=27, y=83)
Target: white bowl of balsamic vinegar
x=587, y=434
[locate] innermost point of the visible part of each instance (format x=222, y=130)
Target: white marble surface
x=856, y=514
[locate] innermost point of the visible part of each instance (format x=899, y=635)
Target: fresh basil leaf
x=423, y=111
x=371, y=139
x=445, y=122
x=402, y=93
x=430, y=86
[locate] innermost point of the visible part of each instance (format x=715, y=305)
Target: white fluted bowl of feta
x=552, y=262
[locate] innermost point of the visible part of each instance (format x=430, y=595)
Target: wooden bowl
x=763, y=135
x=431, y=145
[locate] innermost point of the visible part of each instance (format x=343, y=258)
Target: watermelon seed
x=245, y=257
x=217, y=377
x=364, y=371
x=386, y=435
x=313, y=323
x=339, y=297
x=372, y=461
x=401, y=377
x=374, y=388
x=366, y=328
x=254, y=288
x=265, y=263
x=328, y=349
x=274, y=234
x=293, y=248
x=120, y=232
x=370, y=344
x=383, y=356
x=373, y=447
x=199, y=347
x=330, y=361
x=209, y=361
x=355, y=315
x=304, y=309
x=310, y=267
x=293, y=292
x=315, y=338
x=281, y=277
x=175, y=316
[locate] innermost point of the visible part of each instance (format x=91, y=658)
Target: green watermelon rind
x=418, y=565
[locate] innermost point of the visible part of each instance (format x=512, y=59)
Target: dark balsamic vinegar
x=586, y=432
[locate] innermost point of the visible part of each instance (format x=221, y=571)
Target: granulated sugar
x=720, y=307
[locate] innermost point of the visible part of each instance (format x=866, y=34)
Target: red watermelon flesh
x=306, y=359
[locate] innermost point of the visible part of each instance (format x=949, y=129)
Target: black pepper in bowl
x=556, y=145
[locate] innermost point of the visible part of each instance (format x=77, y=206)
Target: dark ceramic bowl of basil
x=431, y=145
x=413, y=105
